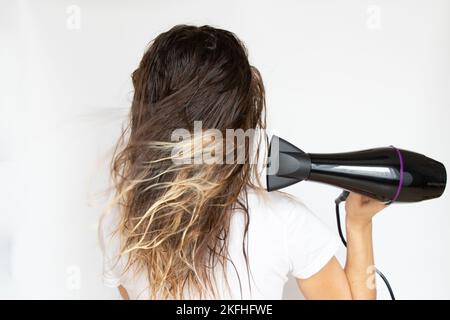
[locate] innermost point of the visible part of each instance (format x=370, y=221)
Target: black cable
x=341, y=198
x=386, y=282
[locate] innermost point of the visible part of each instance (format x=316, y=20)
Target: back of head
x=175, y=214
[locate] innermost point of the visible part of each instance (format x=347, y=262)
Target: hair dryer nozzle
x=286, y=164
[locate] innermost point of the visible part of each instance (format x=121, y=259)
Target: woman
x=208, y=229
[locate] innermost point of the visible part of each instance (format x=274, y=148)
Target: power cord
x=342, y=197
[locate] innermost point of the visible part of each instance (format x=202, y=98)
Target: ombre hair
x=175, y=217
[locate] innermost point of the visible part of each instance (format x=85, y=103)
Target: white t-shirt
x=284, y=237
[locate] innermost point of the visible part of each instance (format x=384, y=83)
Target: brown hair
x=175, y=217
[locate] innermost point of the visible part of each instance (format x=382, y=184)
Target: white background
x=340, y=76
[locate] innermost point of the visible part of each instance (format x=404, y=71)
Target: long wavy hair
x=175, y=217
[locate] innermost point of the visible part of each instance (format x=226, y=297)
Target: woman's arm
x=359, y=263
x=123, y=293
x=359, y=266
x=332, y=282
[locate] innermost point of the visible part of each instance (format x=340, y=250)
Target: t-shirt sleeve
x=310, y=242
x=110, y=246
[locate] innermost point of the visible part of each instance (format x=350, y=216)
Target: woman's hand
x=361, y=209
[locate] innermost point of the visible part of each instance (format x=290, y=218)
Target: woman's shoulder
x=277, y=204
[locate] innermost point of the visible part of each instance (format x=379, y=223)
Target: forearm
x=360, y=261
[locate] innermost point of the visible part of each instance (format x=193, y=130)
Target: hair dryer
x=388, y=174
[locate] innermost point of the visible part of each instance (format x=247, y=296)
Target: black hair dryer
x=388, y=174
